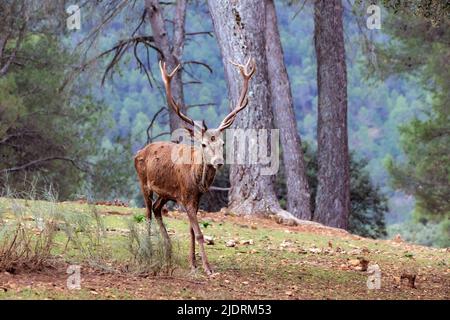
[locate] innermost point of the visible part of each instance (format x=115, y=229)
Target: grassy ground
x=269, y=261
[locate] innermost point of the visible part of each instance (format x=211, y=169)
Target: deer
x=184, y=182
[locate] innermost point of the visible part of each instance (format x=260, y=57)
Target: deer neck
x=203, y=174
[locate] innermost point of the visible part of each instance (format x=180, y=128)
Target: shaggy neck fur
x=204, y=174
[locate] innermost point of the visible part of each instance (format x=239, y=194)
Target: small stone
x=285, y=244
x=355, y=252
x=246, y=242
x=230, y=243
x=209, y=240
x=353, y=262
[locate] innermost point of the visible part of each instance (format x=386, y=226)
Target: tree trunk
x=298, y=196
x=333, y=192
x=171, y=56
x=238, y=26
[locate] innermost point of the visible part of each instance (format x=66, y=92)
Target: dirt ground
x=284, y=262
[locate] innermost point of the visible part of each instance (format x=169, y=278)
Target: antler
x=167, y=78
x=247, y=72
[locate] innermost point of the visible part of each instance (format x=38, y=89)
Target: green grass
x=266, y=269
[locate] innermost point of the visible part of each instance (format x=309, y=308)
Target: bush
x=37, y=234
x=26, y=240
x=423, y=232
x=149, y=255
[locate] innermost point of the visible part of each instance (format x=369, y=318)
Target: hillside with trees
x=224, y=149
x=76, y=106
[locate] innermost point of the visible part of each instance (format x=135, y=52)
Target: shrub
x=149, y=255
x=26, y=242
x=37, y=234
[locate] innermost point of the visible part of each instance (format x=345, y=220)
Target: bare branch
x=141, y=22
x=209, y=33
x=185, y=83
x=299, y=10
x=199, y=63
x=17, y=134
x=119, y=50
x=150, y=126
x=40, y=161
x=108, y=16
x=165, y=133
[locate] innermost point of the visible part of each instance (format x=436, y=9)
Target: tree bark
x=9, y=31
x=172, y=57
x=333, y=193
x=298, y=196
x=238, y=27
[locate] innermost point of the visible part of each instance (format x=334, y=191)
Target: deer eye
x=213, y=138
x=204, y=145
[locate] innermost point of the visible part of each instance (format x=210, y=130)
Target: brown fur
x=172, y=181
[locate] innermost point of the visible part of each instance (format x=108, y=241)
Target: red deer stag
x=185, y=182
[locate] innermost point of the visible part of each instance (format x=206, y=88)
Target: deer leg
x=192, y=262
x=192, y=214
x=160, y=202
x=147, y=194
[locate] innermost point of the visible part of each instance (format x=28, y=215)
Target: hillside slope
x=267, y=261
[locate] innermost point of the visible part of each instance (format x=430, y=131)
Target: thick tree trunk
x=171, y=56
x=333, y=193
x=238, y=26
x=298, y=196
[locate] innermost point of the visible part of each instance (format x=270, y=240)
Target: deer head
x=210, y=140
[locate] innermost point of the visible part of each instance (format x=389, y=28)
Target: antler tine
x=167, y=78
x=247, y=72
x=244, y=68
